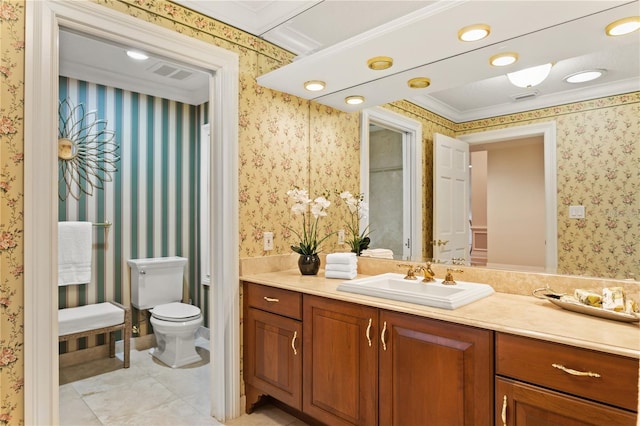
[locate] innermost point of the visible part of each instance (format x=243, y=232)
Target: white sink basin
x=435, y=294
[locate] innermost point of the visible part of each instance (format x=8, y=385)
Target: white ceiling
x=333, y=39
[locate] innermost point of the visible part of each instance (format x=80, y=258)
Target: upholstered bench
x=99, y=318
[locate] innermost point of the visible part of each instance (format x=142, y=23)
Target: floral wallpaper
x=11, y=211
x=286, y=141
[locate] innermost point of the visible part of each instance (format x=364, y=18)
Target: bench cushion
x=88, y=317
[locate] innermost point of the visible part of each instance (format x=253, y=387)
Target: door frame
x=412, y=169
x=43, y=20
x=547, y=130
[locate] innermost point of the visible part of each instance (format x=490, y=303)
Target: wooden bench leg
x=112, y=344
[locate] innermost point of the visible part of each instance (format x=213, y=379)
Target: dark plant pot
x=309, y=264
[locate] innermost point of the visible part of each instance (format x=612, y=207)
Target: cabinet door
x=273, y=358
x=340, y=362
x=434, y=373
x=520, y=404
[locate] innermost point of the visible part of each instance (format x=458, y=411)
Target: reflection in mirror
x=391, y=181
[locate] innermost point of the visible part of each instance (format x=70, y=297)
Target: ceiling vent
x=525, y=95
x=171, y=71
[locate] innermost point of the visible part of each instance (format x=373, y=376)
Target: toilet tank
x=155, y=281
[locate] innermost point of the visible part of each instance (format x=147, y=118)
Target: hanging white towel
x=74, y=252
x=341, y=267
x=348, y=258
x=340, y=274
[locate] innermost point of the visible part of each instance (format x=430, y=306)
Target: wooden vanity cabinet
x=545, y=383
x=340, y=362
x=434, y=373
x=272, y=349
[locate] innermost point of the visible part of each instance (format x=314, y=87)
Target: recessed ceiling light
x=419, y=83
x=137, y=55
x=584, y=76
x=314, y=85
x=623, y=26
x=503, y=59
x=530, y=77
x=354, y=100
x=380, y=63
x=474, y=32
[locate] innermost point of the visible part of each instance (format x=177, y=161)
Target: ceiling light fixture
x=137, y=55
x=419, y=83
x=474, y=32
x=584, y=76
x=503, y=59
x=623, y=26
x=314, y=85
x=380, y=63
x=354, y=100
x=530, y=77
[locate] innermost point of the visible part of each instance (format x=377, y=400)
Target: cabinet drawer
x=542, y=363
x=275, y=300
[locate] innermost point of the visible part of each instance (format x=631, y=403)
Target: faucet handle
x=411, y=272
x=448, y=279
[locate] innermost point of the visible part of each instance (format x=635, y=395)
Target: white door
x=450, y=198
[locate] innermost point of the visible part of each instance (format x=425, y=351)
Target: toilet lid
x=176, y=311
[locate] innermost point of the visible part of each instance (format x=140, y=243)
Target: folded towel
x=379, y=253
x=341, y=267
x=74, y=252
x=347, y=258
x=340, y=274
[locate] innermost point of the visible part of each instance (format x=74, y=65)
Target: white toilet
x=156, y=285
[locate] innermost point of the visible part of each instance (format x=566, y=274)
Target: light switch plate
x=576, y=212
x=341, y=237
x=268, y=241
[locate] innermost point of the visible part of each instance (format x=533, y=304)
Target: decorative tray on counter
x=553, y=297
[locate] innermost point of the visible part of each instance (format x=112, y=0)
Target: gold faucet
x=448, y=279
x=427, y=272
x=411, y=272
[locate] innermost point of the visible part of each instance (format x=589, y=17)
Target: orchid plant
x=358, y=210
x=305, y=207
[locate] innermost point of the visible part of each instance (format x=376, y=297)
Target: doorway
x=44, y=20
x=547, y=131
x=403, y=141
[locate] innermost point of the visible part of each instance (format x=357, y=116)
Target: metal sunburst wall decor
x=86, y=151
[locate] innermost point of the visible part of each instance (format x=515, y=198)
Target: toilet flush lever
x=143, y=272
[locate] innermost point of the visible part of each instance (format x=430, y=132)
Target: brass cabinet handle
x=382, y=333
x=575, y=372
x=293, y=342
x=503, y=415
x=369, y=332
x=271, y=299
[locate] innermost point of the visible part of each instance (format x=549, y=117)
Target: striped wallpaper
x=152, y=200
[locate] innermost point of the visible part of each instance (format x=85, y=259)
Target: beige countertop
x=509, y=313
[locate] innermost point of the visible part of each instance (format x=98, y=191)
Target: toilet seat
x=176, y=312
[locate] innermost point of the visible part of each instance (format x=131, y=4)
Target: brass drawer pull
x=575, y=372
x=503, y=415
x=271, y=299
x=382, y=333
x=369, y=332
x=293, y=342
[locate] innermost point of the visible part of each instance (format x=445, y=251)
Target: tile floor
x=148, y=393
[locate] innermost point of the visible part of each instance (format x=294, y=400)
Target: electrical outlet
x=341, y=237
x=268, y=241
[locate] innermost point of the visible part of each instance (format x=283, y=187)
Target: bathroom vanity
x=345, y=359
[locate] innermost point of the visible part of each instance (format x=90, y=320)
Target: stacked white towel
x=379, y=253
x=341, y=265
x=74, y=252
